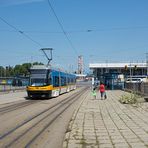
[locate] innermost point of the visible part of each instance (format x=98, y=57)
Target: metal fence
x=7, y=88
x=139, y=88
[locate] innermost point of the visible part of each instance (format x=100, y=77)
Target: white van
x=135, y=80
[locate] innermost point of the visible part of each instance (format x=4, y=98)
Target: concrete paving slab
x=108, y=123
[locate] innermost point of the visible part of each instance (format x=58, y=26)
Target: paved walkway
x=108, y=124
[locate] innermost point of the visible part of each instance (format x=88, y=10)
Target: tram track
x=16, y=106
x=37, y=124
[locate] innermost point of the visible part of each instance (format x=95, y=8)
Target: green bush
x=128, y=99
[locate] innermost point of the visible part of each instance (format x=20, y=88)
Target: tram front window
x=38, y=82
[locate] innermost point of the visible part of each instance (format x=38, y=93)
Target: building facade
x=114, y=74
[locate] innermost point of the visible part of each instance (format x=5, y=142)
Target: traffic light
x=125, y=67
x=135, y=67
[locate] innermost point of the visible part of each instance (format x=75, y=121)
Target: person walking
x=94, y=93
x=102, y=91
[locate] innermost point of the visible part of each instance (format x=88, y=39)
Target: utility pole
x=46, y=49
x=130, y=70
x=147, y=64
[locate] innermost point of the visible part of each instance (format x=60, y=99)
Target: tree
x=17, y=70
x=2, y=71
x=38, y=63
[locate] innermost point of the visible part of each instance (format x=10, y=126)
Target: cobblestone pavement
x=108, y=124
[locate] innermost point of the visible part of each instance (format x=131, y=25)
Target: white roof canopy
x=116, y=65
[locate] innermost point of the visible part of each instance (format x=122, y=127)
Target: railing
x=8, y=88
x=139, y=88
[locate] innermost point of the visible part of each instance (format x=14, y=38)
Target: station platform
x=108, y=123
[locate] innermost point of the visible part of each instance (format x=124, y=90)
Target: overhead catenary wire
x=20, y=31
x=62, y=28
x=83, y=31
x=92, y=30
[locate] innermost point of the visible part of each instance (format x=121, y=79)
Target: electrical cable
x=62, y=28
x=20, y=31
x=85, y=31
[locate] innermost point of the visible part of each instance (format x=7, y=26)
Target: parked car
x=134, y=80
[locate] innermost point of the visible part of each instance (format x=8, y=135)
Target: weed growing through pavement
x=82, y=141
x=131, y=98
x=68, y=130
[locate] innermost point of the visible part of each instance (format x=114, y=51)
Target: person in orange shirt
x=102, y=90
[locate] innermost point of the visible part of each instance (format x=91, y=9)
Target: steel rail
x=46, y=126
x=13, y=107
x=64, y=102
x=35, y=116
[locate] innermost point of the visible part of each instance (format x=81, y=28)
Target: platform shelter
x=114, y=74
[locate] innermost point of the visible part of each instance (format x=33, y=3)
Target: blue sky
x=100, y=30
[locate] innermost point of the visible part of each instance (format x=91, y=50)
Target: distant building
x=80, y=65
x=123, y=68
x=80, y=77
x=114, y=74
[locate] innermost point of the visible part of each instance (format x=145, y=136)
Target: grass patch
x=68, y=130
x=82, y=141
x=131, y=98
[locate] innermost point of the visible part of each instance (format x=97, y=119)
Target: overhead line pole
x=147, y=64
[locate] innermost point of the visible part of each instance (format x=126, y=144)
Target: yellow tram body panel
x=40, y=88
x=43, y=88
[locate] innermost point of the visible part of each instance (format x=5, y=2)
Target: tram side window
x=63, y=81
x=49, y=80
x=56, y=81
x=68, y=80
x=72, y=80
